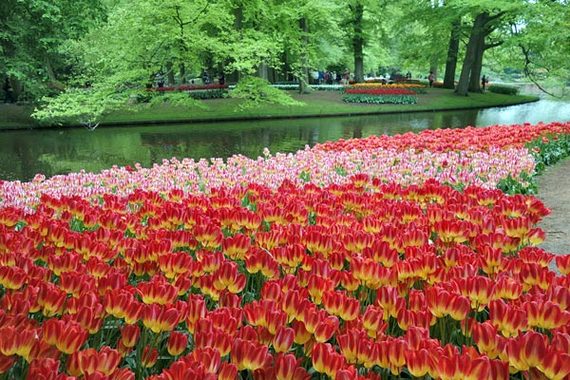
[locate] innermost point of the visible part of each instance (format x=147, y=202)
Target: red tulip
x=177, y=343
x=283, y=340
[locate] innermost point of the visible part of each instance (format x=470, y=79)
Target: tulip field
x=413, y=256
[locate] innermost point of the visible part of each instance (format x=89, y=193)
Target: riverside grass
x=319, y=103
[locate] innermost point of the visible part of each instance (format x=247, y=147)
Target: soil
x=554, y=191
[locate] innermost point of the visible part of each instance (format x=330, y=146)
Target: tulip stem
x=140, y=348
x=441, y=331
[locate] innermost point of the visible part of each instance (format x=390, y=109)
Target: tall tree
x=362, y=21
x=357, y=10
x=487, y=17
x=34, y=38
x=452, y=54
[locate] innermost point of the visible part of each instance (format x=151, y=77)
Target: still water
x=27, y=152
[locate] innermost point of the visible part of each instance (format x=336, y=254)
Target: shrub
x=208, y=94
x=507, y=90
x=256, y=91
x=386, y=99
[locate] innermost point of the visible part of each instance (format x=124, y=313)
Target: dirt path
x=554, y=191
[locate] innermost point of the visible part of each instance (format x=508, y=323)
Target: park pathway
x=554, y=191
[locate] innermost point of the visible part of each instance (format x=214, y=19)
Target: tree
x=362, y=20
x=452, y=54
x=487, y=17
x=540, y=39
x=34, y=39
x=419, y=28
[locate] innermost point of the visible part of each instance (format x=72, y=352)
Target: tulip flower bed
x=484, y=157
x=316, y=166
x=352, y=260
x=470, y=138
x=414, y=87
x=389, y=85
x=360, y=280
x=379, y=91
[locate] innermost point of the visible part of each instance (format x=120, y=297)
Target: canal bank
x=316, y=105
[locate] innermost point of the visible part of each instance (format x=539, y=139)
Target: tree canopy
x=111, y=50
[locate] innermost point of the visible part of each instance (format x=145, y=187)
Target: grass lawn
x=316, y=104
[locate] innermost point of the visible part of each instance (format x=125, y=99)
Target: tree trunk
x=262, y=71
x=475, y=78
x=304, y=77
x=358, y=42
x=238, y=25
x=53, y=81
x=182, y=73
x=471, y=53
x=452, y=51
x=286, y=66
x=170, y=74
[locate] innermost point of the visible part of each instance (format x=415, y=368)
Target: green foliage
x=77, y=106
x=549, y=150
x=208, y=94
x=176, y=99
x=256, y=91
x=33, y=41
x=124, y=45
x=527, y=185
x=383, y=99
x=500, y=89
x=546, y=151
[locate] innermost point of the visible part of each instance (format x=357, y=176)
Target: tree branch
x=495, y=17
x=528, y=72
x=493, y=45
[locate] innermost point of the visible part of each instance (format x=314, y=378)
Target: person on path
x=484, y=81
x=346, y=76
x=8, y=92
x=431, y=78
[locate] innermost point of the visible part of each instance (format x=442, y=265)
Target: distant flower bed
x=391, y=85
x=415, y=87
x=379, y=99
x=379, y=91
x=317, y=87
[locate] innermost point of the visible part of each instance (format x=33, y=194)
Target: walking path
x=554, y=191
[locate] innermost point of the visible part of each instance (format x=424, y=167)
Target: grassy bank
x=316, y=104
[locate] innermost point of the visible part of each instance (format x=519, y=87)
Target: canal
x=23, y=153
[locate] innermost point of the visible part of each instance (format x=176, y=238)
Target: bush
x=256, y=91
x=507, y=90
x=78, y=106
x=208, y=94
x=387, y=99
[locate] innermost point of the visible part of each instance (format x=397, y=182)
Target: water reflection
x=25, y=153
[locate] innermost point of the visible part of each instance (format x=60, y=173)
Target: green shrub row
x=208, y=94
x=383, y=99
x=507, y=90
x=546, y=151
